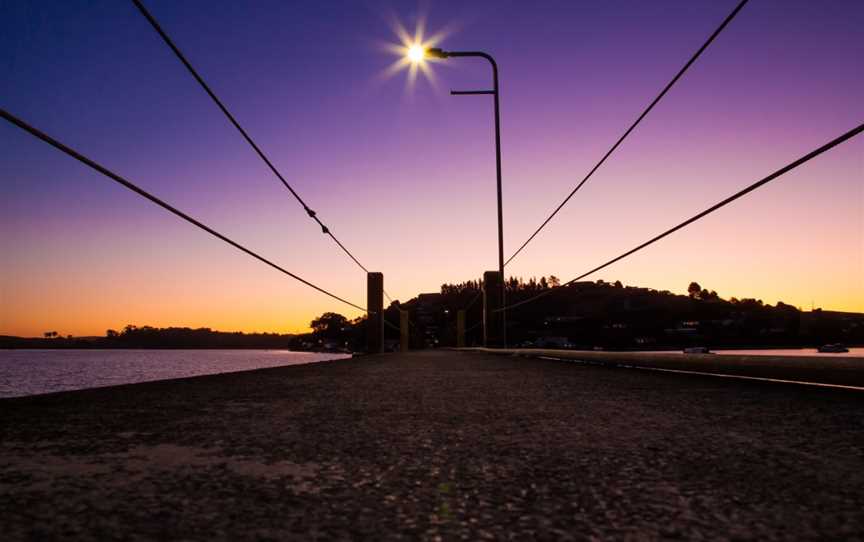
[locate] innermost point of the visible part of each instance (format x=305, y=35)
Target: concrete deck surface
x=435, y=444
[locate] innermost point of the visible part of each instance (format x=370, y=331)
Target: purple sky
x=406, y=178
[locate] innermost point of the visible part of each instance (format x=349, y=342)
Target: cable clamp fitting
x=310, y=212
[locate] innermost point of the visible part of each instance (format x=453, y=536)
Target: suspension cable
x=633, y=126
x=312, y=214
x=474, y=299
x=141, y=192
x=785, y=169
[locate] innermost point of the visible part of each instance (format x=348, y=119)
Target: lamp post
x=440, y=53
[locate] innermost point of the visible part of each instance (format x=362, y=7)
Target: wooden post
x=460, y=328
x=493, y=318
x=403, y=330
x=375, y=316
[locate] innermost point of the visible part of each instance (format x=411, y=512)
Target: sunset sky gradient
x=405, y=178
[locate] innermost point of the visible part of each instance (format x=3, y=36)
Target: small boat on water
x=697, y=350
x=836, y=348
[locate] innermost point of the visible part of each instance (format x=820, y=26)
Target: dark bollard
x=493, y=317
x=375, y=314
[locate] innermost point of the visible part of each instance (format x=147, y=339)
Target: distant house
x=687, y=328
x=550, y=341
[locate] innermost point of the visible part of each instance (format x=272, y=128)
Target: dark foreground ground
x=435, y=444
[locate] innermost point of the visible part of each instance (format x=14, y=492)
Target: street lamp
x=416, y=53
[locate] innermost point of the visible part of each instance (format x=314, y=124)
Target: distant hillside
x=612, y=315
x=151, y=337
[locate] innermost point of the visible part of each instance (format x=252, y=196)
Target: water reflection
x=28, y=372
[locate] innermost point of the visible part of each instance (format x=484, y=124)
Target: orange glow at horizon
x=82, y=279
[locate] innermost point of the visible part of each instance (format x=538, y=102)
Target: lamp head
x=436, y=52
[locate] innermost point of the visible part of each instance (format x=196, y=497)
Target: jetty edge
x=839, y=371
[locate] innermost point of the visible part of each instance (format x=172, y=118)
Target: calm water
x=28, y=372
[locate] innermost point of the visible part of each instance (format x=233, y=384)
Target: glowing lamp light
x=416, y=53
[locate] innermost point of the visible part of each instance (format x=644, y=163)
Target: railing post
x=375, y=314
x=460, y=328
x=493, y=317
x=403, y=330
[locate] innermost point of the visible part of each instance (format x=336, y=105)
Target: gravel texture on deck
x=433, y=445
